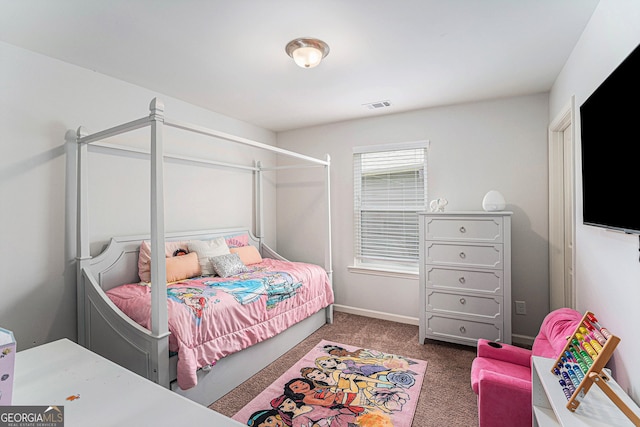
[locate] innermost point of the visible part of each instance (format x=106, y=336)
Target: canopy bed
x=133, y=296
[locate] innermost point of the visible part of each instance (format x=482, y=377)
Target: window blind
x=390, y=187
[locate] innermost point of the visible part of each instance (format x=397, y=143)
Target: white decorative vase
x=493, y=201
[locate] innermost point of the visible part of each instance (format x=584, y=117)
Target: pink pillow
x=183, y=267
x=237, y=240
x=248, y=254
x=144, y=259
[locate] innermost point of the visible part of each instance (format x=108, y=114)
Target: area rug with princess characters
x=337, y=385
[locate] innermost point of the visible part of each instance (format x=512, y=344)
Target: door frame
x=562, y=290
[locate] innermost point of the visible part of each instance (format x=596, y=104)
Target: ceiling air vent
x=378, y=105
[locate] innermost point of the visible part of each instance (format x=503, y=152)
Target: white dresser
x=465, y=276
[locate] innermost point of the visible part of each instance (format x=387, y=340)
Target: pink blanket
x=212, y=317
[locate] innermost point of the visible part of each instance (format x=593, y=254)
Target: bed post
x=159, y=315
x=259, y=212
x=328, y=266
x=83, y=254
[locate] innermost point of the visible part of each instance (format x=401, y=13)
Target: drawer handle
x=461, y=279
x=463, y=329
x=463, y=230
x=463, y=255
x=463, y=301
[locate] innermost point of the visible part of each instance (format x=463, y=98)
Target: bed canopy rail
x=156, y=120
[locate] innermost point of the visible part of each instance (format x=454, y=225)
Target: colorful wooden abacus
x=582, y=361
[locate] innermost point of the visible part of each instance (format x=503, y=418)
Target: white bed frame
x=106, y=330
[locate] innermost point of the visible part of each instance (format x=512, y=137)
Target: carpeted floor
x=446, y=398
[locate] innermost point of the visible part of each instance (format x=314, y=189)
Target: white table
x=109, y=395
x=549, y=402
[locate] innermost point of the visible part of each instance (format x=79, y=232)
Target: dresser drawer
x=487, y=308
x=461, y=331
x=470, y=230
x=485, y=256
x=490, y=282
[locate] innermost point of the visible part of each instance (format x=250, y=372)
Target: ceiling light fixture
x=307, y=52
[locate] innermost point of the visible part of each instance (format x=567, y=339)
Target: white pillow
x=207, y=249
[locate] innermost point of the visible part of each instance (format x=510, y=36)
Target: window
x=390, y=188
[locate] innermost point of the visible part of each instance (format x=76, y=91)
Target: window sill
x=383, y=272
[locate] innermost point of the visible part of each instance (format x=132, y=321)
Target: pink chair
x=501, y=373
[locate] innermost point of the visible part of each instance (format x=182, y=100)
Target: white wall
x=42, y=98
x=607, y=266
x=493, y=145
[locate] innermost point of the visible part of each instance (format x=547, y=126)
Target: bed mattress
x=211, y=317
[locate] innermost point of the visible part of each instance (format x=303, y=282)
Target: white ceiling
x=228, y=55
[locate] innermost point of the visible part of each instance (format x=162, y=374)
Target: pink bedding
x=212, y=317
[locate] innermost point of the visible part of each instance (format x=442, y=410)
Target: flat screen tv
x=610, y=134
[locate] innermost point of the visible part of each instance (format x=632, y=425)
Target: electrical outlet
x=521, y=307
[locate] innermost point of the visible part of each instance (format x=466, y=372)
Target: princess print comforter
x=212, y=317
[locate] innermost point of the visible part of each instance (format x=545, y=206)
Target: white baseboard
x=522, y=340
x=376, y=314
